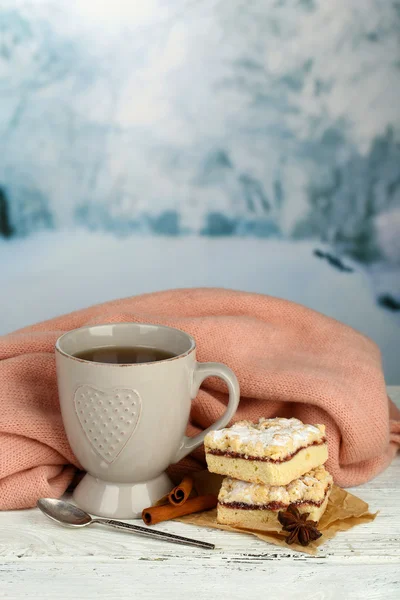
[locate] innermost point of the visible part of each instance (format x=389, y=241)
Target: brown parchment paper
x=343, y=512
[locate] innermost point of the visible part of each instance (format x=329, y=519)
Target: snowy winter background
x=168, y=143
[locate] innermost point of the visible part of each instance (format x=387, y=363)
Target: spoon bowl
x=65, y=513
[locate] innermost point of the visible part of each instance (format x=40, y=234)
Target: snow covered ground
x=52, y=273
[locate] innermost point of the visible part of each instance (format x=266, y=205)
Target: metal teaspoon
x=69, y=515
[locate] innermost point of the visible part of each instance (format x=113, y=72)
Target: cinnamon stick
x=157, y=514
x=181, y=492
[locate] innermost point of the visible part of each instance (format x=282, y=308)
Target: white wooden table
x=41, y=560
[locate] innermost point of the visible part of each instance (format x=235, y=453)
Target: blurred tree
x=6, y=229
x=167, y=223
x=218, y=224
x=343, y=211
x=30, y=210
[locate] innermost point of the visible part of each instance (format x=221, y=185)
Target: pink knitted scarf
x=290, y=362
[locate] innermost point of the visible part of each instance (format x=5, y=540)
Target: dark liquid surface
x=124, y=355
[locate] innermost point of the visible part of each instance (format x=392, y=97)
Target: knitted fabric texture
x=290, y=362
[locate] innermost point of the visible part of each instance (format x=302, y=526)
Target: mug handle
x=202, y=371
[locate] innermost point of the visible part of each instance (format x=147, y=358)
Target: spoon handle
x=154, y=533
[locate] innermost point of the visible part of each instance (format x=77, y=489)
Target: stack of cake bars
x=267, y=466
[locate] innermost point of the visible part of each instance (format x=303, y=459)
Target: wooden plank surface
x=39, y=559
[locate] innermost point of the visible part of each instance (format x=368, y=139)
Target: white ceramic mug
x=126, y=423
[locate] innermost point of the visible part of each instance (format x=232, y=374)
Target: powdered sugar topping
x=273, y=438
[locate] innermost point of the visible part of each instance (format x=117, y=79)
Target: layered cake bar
x=272, y=451
x=256, y=506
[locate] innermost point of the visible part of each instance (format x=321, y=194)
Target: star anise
x=300, y=530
